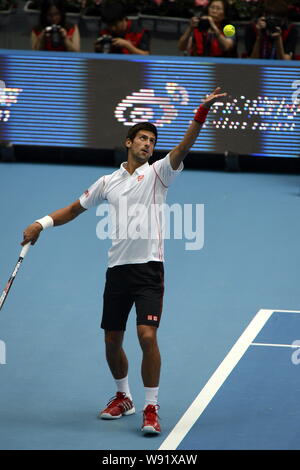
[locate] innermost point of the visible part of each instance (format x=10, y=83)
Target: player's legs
x=148, y=297
x=117, y=304
x=115, y=354
x=151, y=361
x=121, y=404
x=148, y=301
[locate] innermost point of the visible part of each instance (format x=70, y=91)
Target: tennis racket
x=12, y=277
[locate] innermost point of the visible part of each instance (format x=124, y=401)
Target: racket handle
x=25, y=250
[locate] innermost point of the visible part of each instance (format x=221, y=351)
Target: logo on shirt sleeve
x=139, y=178
x=86, y=193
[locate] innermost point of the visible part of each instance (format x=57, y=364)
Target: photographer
x=53, y=32
x=204, y=36
x=121, y=35
x=271, y=36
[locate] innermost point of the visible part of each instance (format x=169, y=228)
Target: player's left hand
x=213, y=97
x=31, y=233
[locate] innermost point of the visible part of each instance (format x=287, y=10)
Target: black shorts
x=128, y=284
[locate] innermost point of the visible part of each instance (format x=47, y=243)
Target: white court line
x=277, y=345
x=183, y=426
x=286, y=311
x=280, y=345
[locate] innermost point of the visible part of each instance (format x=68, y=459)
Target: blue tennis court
x=55, y=379
x=256, y=406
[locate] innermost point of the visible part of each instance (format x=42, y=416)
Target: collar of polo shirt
x=138, y=170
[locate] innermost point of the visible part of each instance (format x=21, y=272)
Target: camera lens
x=203, y=25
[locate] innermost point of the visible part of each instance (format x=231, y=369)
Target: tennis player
x=135, y=273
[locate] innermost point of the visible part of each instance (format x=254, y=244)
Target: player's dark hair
x=141, y=126
x=113, y=11
x=45, y=7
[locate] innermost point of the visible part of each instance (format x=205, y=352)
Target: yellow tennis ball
x=229, y=30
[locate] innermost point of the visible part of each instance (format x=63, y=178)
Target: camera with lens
x=272, y=23
x=104, y=44
x=203, y=24
x=55, y=35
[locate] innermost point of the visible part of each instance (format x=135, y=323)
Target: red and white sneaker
x=150, y=422
x=118, y=406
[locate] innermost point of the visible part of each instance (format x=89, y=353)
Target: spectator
x=271, y=36
x=121, y=35
x=204, y=36
x=53, y=32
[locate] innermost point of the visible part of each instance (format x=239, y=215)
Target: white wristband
x=45, y=222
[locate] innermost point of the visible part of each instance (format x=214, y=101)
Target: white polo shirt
x=136, y=206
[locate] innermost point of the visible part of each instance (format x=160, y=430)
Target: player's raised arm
x=58, y=217
x=182, y=149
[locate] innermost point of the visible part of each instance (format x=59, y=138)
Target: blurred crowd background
x=267, y=29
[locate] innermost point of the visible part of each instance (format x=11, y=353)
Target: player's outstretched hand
x=31, y=233
x=213, y=97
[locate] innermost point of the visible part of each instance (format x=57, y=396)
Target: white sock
x=123, y=386
x=151, y=396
